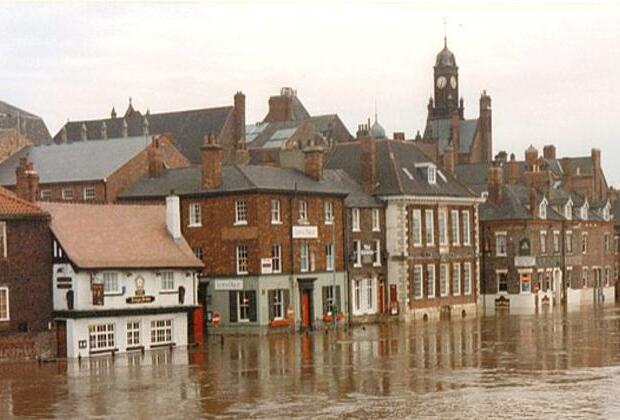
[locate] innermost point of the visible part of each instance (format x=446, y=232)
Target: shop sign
x=228, y=284
x=305, y=232
x=140, y=296
x=97, y=291
x=266, y=266
x=525, y=261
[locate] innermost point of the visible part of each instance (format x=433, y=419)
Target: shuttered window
x=278, y=303
x=242, y=306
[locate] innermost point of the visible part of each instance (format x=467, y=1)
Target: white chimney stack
x=173, y=216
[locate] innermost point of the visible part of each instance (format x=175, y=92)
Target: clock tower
x=446, y=80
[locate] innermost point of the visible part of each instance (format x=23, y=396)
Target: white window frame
x=329, y=257
x=363, y=296
x=543, y=241
x=568, y=213
x=569, y=242
x=355, y=219
x=443, y=227
x=242, y=304
x=108, y=277
x=557, y=242
x=497, y=277
x=376, y=253
x=195, y=215
x=376, y=220
x=416, y=227
x=242, y=254
x=134, y=335
x=444, y=279
x=86, y=193
x=45, y=194
x=241, y=212
x=276, y=258
x=432, y=175
x=278, y=304
x=102, y=335
x=455, y=230
x=542, y=210
x=466, y=221
x=418, y=278
x=430, y=281
x=3, y=239
x=328, y=212
x=276, y=215
x=302, y=211
x=4, y=291
x=167, y=280
x=68, y=194
x=456, y=279
x=429, y=227
x=357, y=253
x=498, y=251
x=467, y=281
x=304, y=258
x=161, y=331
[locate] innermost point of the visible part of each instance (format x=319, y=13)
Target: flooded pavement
x=547, y=365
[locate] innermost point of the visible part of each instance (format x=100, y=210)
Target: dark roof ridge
x=394, y=167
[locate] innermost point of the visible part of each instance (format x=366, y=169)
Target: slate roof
x=440, y=130
x=118, y=236
x=188, y=127
x=79, y=161
x=396, y=160
x=274, y=135
x=615, y=211
x=474, y=175
x=31, y=126
x=11, y=205
x=235, y=179
x=357, y=196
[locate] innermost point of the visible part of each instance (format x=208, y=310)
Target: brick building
x=431, y=235
x=447, y=130
x=11, y=142
x=271, y=239
x=25, y=123
x=25, y=272
x=89, y=171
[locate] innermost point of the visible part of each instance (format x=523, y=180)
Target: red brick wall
x=27, y=346
x=78, y=190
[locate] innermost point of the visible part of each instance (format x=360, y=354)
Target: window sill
x=194, y=226
x=240, y=223
x=168, y=292
x=376, y=230
x=356, y=230
x=273, y=222
x=357, y=265
x=103, y=351
x=242, y=273
x=154, y=346
x=376, y=264
x=329, y=222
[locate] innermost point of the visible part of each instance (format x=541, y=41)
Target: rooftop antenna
x=376, y=110
x=445, y=32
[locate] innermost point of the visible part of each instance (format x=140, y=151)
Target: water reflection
x=506, y=365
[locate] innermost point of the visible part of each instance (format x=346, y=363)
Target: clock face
x=441, y=82
x=453, y=82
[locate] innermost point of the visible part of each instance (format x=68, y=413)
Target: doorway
x=61, y=339
x=306, y=303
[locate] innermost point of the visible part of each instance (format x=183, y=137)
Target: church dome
x=377, y=131
x=445, y=58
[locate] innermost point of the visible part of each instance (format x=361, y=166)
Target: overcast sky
x=552, y=71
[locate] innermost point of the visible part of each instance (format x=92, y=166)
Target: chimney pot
x=173, y=216
x=212, y=157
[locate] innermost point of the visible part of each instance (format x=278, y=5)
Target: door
x=306, y=299
x=61, y=339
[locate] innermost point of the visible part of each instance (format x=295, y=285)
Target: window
x=376, y=220
x=303, y=211
x=584, y=276
x=526, y=282
x=569, y=242
x=443, y=227
x=357, y=253
x=101, y=336
x=467, y=278
x=543, y=242
x=110, y=283
x=568, y=214
x=556, y=242
x=607, y=276
x=161, y=331
x=376, y=253
x=242, y=306
x=546, y=286
x=195, y=215
x=355, y=220
x=197, y=252
x=363, y=296
x=46, y=195
x=275, y=212
x=242, y=259
x=331, y=297
x=67, y=194
x=432, y=175
x=542, y=210
x=502, y=282
x=466, y=228
x=569, y=278
x=454, y=227
x=133, y=333
x=416, y=227
x=57, y=249
x=276, y=257
x=4, y=304
x=89, y=193
x=328, y=209
x=456, y=279
x=584, y=243
x=430, y=280
x=584, y=211
x=167, y=280
x=417, y=281
x=429, y=225
x=3, y=246
x=277, y=304
x=443, y=279
x=241, y=213
x=606, y=242
x=500, y=244
x=303, y=255
x=329, y=257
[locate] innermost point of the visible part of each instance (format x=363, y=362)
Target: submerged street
x=528, y=366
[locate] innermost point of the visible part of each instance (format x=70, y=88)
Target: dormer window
x=606, y=214
x=584, y=211
x=542, y=210
x=568, y=214
x=432, y=175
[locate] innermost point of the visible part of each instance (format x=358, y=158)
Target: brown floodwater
x=548, y=365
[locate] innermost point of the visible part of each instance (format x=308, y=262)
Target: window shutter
x=324, y=292
x=286, y=301
x=252, y=308
x=271, y=295
x=338, y=304
x=232, y=306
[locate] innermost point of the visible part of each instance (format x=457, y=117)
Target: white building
x=124, y=278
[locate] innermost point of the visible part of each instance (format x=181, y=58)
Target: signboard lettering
x=229, y=284
x=266, y=266
x=305, y=232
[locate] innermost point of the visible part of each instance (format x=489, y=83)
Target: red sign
x=97, y=290
x=216, y=318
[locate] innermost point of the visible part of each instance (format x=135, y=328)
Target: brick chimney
x=239, y=113
x=281, y=106
x=448, y=159
x=27, y=180
x=313, y=161
x=495, y=184
x=212, y=157
x=173, y=216
x=512, y=170
x=531, y=157
x=368, y=158
x=597, y=193
x=549, y=151
x=399, y=135
x=155, y=158
x=486, y=127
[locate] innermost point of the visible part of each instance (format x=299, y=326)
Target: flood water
x=546, y=365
